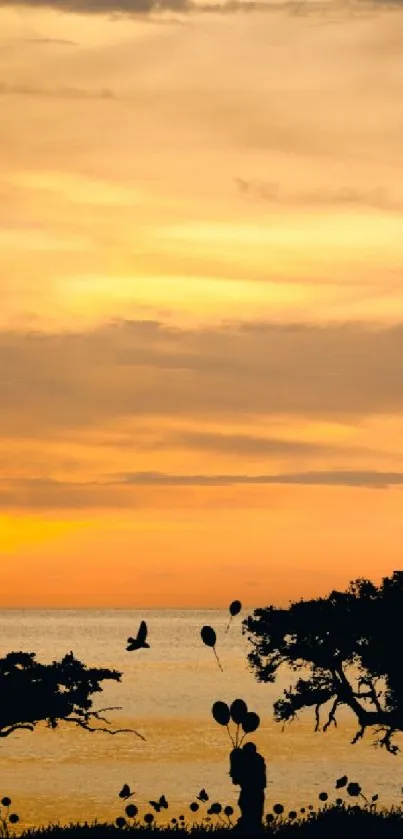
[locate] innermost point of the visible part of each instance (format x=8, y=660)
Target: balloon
x=208, y=635
x=235, y=608
x=251, y=722
x=220, y=712
x=238, y=710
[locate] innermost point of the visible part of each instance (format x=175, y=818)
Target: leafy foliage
x=349, y=646
x=62, y=691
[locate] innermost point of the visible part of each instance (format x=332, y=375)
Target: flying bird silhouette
x=139, y=642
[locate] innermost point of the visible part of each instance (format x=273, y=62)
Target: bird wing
x=142, y=633
x=130, y=641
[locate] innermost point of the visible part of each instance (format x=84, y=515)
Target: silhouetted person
x=139, y=641
x=248, y=770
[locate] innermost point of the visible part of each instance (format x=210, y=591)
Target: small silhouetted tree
x=349, y=647
x=59, y=692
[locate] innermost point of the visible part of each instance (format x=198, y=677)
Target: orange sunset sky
x=201, y=286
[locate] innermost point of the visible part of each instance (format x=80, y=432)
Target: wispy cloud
x=58, y=92
x=378, y=198
x=227, y=7
x=343, y=478
x=119, y=491
x=151, y=369
x=249, y=445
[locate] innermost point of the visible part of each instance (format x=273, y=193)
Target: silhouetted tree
x=59, y=692
x=349, y=646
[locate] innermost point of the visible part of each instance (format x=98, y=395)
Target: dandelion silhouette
x=234, y=609
x=228, y=812
x=7, y=818
x=120, y=822
x=209, y=638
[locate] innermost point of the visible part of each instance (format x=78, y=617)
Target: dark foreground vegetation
x=337, y=822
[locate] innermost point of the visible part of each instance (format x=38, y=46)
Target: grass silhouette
x=329, y=822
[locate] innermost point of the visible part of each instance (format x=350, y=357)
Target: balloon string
x=228, y=625
x=218, y=660
x=237, y=733
x=231, y=737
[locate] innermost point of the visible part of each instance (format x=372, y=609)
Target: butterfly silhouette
x=126, y=792
x=202, y=796
x=159, y=804
x=140, y=641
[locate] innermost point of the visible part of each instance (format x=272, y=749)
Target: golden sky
x=201, y=285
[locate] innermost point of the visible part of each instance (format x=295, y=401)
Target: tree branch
x=332, y=715
x=372, y=694
x=83, y=721
x=5, y=732
x=386, y=739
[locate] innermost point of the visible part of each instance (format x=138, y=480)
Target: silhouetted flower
x=120, y=822
x=148, y=818
x=302, y=810
x=354, y=789
x=278, y=809
x=323, y=796
x=292, y=815
x=131, y=811
x=215, y=809
x=194, y=806
x=13, y=818
x=339, y=801
x=6, y=801
x=269, y=818
x=228, y=810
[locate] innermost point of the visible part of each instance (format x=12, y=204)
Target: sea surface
x=166, y=693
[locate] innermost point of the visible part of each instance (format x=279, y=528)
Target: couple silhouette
x=248, y=770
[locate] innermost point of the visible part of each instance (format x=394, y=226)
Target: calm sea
x=166, y=693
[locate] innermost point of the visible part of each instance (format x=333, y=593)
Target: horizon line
x=118, y=608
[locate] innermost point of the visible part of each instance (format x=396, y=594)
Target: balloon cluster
x=238, y=712
x=208, y=634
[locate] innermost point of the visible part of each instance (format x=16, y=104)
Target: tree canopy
x=59, y=692
x=349, y=646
